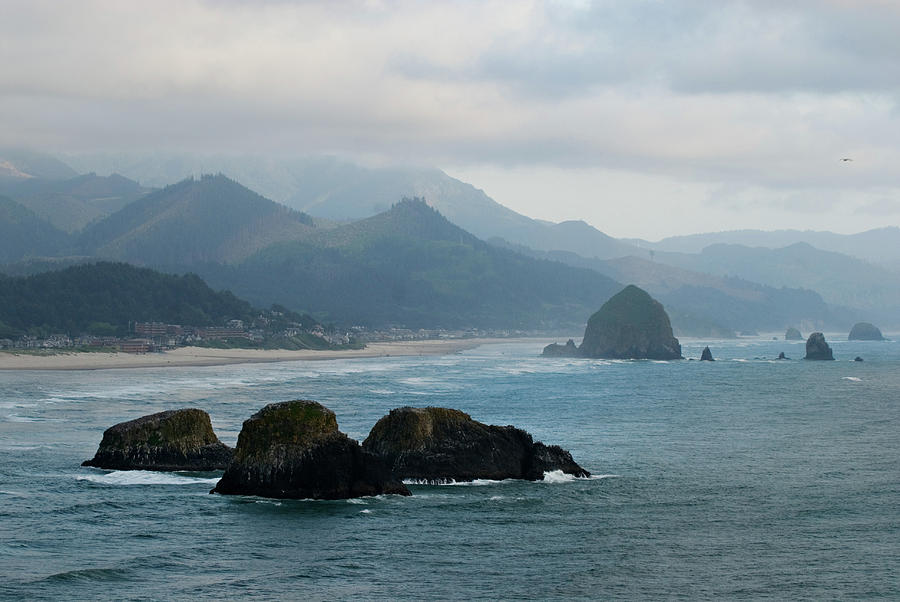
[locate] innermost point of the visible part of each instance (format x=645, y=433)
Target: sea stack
x=792, y=334
x=166, y=441
x=631, y=325
x=294, y=449
x=817, y=348
x=557, y=350
x=706, y=356
x=864, y=331
x=442, y=444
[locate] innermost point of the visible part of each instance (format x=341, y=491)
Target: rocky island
x=864, y=331
x=631, y=325
x=294, y=449
x=817, y=348
x=792, y=334
x=166, y=441
x=441, y=444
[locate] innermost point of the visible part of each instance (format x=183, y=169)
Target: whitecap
x=855, y=379
x=145, y=477
x=444, y=482
x=366, y=511
x=558, y=476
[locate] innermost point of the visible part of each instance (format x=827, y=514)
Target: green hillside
x=211, y=219
x=410, y=266
x=24, y=234
x=76, y=299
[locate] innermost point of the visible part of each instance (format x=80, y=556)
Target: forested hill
x=22, y=233
x=410, y=266
x=211, y=219
x=77, y=299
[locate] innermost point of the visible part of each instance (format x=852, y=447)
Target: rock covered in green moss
x=441, y=444
x=817, y=348
x=166, y=441
x=792, y=334
x=631, y=325
x=864, y=331
x=557, y=350
x=294, y=449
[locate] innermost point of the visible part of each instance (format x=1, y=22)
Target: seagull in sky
x=846, y=159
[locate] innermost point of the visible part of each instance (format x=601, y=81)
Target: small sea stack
x=864, y=331
x=557, y=350
x=706, y=356
x=174, y=440
x=782, y=356
x=857, y=359
x=294, y=449
x=792, y=334
x=441, y=444
x=817, y=348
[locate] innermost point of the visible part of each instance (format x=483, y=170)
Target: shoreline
x=201, y=356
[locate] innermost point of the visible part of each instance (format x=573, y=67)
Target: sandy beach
x=199, y=356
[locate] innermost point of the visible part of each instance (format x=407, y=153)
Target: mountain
x=112, y=294
x=21, y=164
x=840, y=279
x=336, y=189
x=73, y=203
x=880, y=246
x=24, y=234
x=210, y=219
x=410, y=266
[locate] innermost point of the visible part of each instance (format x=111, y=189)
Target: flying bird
x=846, y=159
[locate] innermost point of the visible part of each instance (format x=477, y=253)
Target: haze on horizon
x=645, y=119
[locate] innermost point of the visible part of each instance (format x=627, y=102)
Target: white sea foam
x=558, y=476
x=366, y=511
x=145, y=477
x=444, y=482
x=855, y=379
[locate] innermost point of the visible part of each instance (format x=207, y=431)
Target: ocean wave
x=855, y=379
x=89, y=575
x=145, y=477
x=558, y=476
x=454, y=482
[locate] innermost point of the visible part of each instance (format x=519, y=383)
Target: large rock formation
x=631, y=325
x=557, y=350
x=294, y=449
x=171, y=440
x=864, y=331
x=792, y=334
x=440, y=444
x=817, y=348
x=706, y=356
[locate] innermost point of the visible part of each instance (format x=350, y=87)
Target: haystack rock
x=294, y=449
x=166, y=441
x=792, y=334
x=441, y=444
x=706, y=356
x=631, y=325
x=864, y=331
x=817, y=348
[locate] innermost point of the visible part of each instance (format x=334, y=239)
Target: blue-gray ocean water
x=742, y=478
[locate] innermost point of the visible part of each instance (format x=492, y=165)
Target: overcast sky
x=643, y=118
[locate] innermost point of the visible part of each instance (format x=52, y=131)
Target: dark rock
x=863, y=331
x=817, y=348
x=294, y=449
x=171, y=440
x=706, y=356
x=792, y=334
x=857, y=359
x=631, y=325
x=440, y=444
x=567, y=350
x=782, y=356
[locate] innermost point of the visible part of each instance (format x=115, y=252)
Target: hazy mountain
x=20, y=164
x=211, y=219
x=73, y=203
x=881, y=245
x=336, y=189
x=840, y=279
x=24, y=234
x=410, y=266
x=702, y=304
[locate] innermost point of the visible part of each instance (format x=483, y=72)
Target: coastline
x=200, y=356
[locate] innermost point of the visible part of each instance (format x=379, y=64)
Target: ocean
x=744, y=478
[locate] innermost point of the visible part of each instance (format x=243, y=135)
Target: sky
x=644, y=118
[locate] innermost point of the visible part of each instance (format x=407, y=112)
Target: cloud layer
x=722, y=96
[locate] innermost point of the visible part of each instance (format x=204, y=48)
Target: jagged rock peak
x=817, y=348
x=706, y=356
